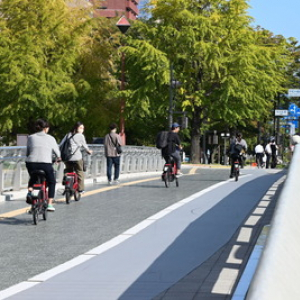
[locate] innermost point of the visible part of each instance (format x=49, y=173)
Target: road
x=102, y=214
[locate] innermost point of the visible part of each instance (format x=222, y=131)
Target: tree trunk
x=195, y=136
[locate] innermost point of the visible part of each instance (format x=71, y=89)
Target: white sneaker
x=109, y=183
x=116, y=182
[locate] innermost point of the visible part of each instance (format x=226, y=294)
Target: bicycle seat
x=38, y=175
x=169, y=159
x=38, y=172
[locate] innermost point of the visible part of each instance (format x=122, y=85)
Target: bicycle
x=169, y=172
x=39, y=196
x=236, y=168
x=71, y=185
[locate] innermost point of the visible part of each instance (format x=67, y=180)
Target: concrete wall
x=278, y=273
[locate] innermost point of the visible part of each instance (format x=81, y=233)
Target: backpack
x=162, y=139
x=66, y=149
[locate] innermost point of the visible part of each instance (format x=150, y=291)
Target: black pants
x=268, y=160
x=50, y=177
x=259, y=159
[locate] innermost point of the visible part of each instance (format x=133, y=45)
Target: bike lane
x=152, y=256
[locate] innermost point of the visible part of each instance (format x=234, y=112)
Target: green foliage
x=229, y=72
x=39, y=46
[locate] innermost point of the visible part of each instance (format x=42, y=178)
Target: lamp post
x=123, y=26
x=225, y=135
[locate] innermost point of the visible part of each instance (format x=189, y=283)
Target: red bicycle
x=71, y=186
x=236, y=168
x=170, y=171
x=39, y=196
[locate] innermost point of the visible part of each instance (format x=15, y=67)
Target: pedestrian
x=75, y=162
x=40, y=149
x=111, y=142
x=268, y=152
x=274, y=148
x=259, y=152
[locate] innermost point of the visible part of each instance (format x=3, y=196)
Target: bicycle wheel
x=45, y=211
x=35, y=214
x=77, y=196
x=68, y=196
x=237, y=172
x=167, y=178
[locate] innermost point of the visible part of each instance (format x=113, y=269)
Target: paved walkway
x=169, y=255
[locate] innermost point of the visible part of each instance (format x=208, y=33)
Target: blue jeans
x=110, y=162
x=177, y=158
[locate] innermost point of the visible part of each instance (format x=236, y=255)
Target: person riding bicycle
x=173, y=147
x=237, y=148
x=40, y=148
x=75, y=162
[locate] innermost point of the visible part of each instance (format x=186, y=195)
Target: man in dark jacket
x=174, y=146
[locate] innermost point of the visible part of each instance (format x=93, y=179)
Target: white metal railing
x=134, y=159
x=277, y=276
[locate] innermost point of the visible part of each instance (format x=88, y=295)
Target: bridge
x=140, y=240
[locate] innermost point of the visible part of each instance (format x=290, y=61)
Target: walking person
x=40, y=148
x=259, y=152
x=111, y=142
x=274, y=148
x=268, y=152
x=75, y=162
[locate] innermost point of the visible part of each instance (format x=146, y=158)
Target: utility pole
x=171, y=97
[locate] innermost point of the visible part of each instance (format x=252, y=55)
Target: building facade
x=118, y=8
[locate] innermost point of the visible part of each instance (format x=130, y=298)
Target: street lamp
x=123, y=26
x=225, y=135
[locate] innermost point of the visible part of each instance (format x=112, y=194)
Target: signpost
x=294, y=93
x=281, y=112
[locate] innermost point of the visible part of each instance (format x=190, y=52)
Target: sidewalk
x=195, y=249
x=14, y=195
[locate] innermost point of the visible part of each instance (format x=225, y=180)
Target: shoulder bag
x=117, y=145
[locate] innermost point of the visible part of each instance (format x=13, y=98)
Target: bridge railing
x=277, y=276
x=134, y=159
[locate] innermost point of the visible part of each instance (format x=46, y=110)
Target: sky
x=278, y=16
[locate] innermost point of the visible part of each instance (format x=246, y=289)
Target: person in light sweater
x=40, y=149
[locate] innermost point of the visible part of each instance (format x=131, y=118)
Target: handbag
x=117, y=146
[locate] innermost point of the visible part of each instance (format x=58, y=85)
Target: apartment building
x=114, y=8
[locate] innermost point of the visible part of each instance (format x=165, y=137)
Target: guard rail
x=134, y=159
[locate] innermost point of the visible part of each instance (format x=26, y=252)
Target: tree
x=39, y=46
x=228, y=70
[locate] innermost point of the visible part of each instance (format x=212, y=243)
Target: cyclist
x=76, y=161
x=173, y=146
x=237, y=147
x=40, y=148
